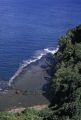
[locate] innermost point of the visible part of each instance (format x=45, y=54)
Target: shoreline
x=31, y=61
x=35, y=78
x=5, y=85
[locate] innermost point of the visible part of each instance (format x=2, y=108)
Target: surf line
x=26, y=63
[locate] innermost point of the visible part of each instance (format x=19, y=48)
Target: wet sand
x=30, y=87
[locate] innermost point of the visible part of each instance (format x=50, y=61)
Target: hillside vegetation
x=66, y=84
x=65, y=87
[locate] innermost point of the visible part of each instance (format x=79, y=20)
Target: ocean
x=28, y=27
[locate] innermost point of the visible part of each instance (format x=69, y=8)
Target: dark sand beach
x=30, y=87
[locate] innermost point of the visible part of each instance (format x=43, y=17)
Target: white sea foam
x=51, y=51
x=38, y=56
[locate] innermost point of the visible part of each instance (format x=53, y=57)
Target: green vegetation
x=66, y=84
x=28, y=114
x=65, y=87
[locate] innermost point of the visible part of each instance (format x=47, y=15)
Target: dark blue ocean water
x=30, y=25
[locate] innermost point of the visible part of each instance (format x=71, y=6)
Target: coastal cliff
x=65, y=87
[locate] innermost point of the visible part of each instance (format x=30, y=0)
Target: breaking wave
x=37, y=57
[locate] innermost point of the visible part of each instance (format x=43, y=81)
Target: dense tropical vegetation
x=65, y=87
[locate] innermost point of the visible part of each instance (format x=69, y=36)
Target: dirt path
x=19, y=110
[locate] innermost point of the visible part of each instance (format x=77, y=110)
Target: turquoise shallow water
x=27, y=26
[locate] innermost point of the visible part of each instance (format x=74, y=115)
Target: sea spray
x=27, y=62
